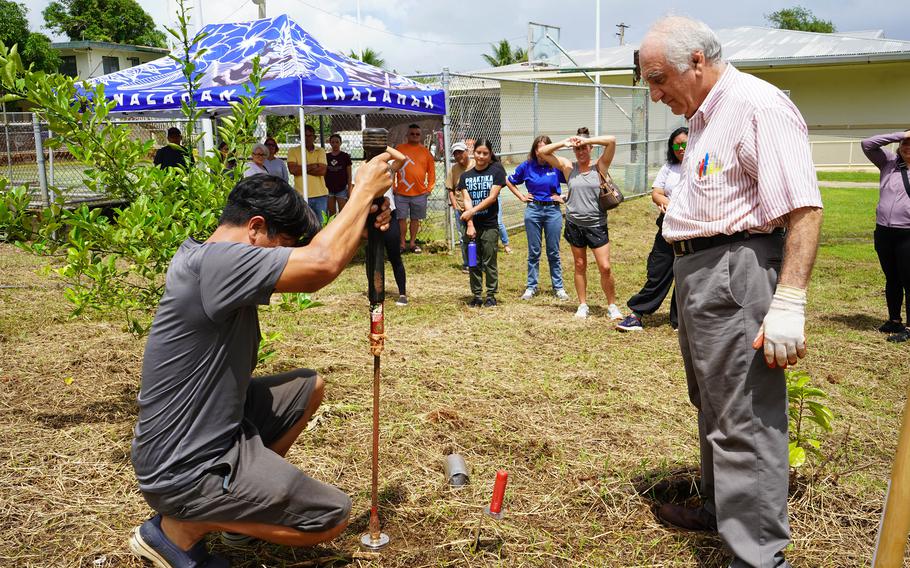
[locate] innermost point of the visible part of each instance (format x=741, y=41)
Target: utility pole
x=261, y=4
x=622, y=32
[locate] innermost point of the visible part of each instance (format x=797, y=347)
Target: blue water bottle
x=472, y=254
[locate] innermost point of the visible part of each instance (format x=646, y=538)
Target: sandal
x=416, y=249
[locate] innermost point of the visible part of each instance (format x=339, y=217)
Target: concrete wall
x=852, y=101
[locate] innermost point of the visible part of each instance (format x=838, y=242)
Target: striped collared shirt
x=747, y=162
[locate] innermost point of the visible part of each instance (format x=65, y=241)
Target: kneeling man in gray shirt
x=210, y=441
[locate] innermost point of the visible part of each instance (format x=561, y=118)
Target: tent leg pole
x=306, y=193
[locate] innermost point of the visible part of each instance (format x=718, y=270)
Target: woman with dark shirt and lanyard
x=480, y=187
x=892, y=226
x=586, y=224
x=542, y=215
x=660, y=260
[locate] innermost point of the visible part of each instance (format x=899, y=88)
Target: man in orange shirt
x=413, y=185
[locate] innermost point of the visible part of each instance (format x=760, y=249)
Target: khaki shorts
x=262, y=487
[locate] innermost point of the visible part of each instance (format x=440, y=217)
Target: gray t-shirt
x=199, y=359
x=582, y=208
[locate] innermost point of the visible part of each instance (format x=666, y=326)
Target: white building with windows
x=88, y=59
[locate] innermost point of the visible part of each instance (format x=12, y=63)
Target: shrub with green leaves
x=117, y=264
x=808, y=417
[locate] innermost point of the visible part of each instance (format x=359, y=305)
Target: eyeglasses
x=271, y=144
x=259, y=153
x=678, y=147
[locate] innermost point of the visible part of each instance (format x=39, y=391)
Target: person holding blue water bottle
x=480, y=187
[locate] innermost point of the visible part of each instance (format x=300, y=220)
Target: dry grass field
x=592, y=425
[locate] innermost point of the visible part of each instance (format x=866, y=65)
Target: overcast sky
x=426, y=35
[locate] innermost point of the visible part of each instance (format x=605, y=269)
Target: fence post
x=39, y=156
x=647, y=105
x=447, y=159
x=536, y=109
x=50, y=155
x=597, y=105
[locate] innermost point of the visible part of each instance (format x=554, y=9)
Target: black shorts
x=262, y=487
x=591, y=237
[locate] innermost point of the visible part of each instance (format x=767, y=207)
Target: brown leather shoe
x=685, y=518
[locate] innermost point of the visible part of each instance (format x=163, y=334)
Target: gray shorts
x=413, y=208
x=262, y=487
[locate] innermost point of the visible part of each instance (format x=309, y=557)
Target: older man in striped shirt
x=747, y=181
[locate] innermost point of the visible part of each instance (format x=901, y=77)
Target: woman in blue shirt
x=542, y=216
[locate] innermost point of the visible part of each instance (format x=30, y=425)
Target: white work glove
x=782, y=333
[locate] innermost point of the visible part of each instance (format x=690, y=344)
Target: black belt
x=545, y=202
x=682, y=248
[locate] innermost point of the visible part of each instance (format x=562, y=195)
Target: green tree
x=370, y=57
x=34, y=48
x=118, y=21
x=799, y=18
x=503, y=53
x=116, y=264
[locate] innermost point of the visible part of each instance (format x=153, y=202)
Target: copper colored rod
x=374, y=513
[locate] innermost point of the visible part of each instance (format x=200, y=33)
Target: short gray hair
x=263, y=147
x=681, y=37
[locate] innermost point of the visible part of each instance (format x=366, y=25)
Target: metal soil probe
x=374, y=143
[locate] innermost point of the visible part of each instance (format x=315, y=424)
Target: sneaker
x=891, y=326
x=582, y=311
x=561, y=294
x=148, y=541
x=490, y=303
x=465, y=270
x=402, y=300
x=529, y=293
x=476, y=302
x=631, y=323
x=900, y=337
x=236, y=539
x=614, y=312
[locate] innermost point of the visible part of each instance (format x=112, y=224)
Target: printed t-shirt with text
x=478, y=184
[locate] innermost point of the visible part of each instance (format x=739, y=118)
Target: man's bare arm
x=801, y=247
x=316, y=169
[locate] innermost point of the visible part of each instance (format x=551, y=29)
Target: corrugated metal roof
x=750, y=45
x=753, y=43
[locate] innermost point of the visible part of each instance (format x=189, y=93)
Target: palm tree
x=370, y=57
x=504, y=54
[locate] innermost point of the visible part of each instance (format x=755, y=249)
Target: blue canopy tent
x=300, y=76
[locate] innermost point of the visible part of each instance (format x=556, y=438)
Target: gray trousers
x=723, y=294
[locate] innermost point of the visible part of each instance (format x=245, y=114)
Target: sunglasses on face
x=678, y=147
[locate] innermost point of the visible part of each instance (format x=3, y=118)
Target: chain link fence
x=50, y=174
x=511, y=113
x=508, y=112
